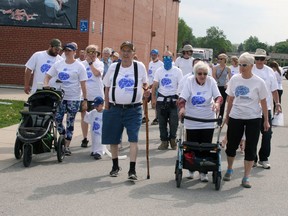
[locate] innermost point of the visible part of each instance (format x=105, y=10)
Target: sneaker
x=190, y=175
x=114, y=172
x=246, y=183
x=84, y=143
x=227, y=176
x=155, y=122
x=92, y=154
x=67, y=151
x=144, y=120
x=254, y=164
x=203, y=177
x=264, y=164
x=97, y=156
x=132, y=175
x=163, y=145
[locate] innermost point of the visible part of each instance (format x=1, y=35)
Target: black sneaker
x=155, y=122
x=67, y=151
x=84, y=143
x=132, y=175
x=144, y=120
x=114, y=172
x=97, y=156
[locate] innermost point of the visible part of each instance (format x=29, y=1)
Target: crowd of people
x=109, y=92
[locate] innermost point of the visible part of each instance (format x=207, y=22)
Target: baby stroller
x=190, y=155
x=37, y=131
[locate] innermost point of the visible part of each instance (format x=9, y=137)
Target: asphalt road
x=81, y=186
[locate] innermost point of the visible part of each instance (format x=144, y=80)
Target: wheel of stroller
x=27, y=156
x=218, y=182
x=176, y=167
x=178, y=177
x=60, y=148
x=18, y=148
x=214, y=175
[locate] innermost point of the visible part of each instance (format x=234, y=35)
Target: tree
x=252, y=43
x=281, y=47
x=216, y=39
x=240, y=48
x=185, y=35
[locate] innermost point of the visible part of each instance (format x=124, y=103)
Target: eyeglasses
x=202, y=74
x=91, y=52
x=260, y=58
x=243, y=65
x=220, y=59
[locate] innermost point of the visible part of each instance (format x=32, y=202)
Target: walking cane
x=147, y=136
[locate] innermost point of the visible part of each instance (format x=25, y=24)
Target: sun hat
x=187, y=47
x=127, y=44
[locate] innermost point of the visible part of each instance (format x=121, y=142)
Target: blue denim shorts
x=116, y=119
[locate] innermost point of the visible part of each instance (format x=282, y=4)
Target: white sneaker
x=203, y=177
x=190, y=175
x=265, y=164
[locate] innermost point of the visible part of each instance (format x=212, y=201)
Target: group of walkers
x=187, y=87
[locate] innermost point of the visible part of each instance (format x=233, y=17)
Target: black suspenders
x=135, y=83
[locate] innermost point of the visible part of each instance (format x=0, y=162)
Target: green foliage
x=9, y=112
x=252, y=43
x=281, y=47
x=185, y=35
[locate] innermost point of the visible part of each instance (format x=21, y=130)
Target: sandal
x=246, y=182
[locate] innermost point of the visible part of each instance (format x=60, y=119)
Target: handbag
x=278, y=120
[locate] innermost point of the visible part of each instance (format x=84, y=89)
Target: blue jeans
x=169, y=116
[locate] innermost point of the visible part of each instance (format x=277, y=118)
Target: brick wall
x=114, y=22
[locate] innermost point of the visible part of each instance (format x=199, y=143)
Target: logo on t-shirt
x=96, y=126
x=89, y=73
x=198, y=99
x=166, y=81
x=63, y=75
x=241, y=90
x=126, y=82
x=45, y=67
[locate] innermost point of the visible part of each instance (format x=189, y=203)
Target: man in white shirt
x=185, y=62
x=267, y=74
x=39, y=63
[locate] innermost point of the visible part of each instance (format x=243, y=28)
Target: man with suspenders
x=124, y=86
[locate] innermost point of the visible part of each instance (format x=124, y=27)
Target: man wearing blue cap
x=154, y=64
x=94, y=118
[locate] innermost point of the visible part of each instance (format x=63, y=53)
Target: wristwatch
x=85, y=99
x=90, y=63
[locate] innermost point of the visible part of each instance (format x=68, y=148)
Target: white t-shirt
x=94, y=84
x=40, y=62
x=185, y=65
x=234, y=70
x=125, y=83
x=94, y=118
x=199, y=101
x=168, y=81
x=279, y=79
x=70, y=75
x=153, y=66
x=247, y=94
x=267, y=74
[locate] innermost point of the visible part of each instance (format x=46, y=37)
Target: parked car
x=285, y=72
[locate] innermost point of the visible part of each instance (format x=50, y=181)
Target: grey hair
x=246, y=58
x=107, y=50
x=200, y=65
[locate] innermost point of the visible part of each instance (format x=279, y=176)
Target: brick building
x=148, y=23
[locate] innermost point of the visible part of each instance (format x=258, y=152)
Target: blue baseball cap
x=70, y=46
x=97, y=101
x=154, y=51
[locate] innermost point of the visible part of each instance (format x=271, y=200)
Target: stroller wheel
x=178, y=177
x=176, y=167
x=18, y=149
x=218, y=182
x=27, y=157
x=60, y=148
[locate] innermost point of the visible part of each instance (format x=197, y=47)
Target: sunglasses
x=91, y=52
x=201, y=74
x=243, y=65
x=260, y=58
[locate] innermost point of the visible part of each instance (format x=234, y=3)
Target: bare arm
x=154, y=88
x=27, y=78
x=106, y=96
x=230, y=100
x=84, y=92
x=266, y=124
x=275, y=96
x=214, y=73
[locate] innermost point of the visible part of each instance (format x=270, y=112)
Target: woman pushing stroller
x=200, y=98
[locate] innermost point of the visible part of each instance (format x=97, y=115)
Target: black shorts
x=89, y=106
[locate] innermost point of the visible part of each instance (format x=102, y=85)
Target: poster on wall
x=39, y=13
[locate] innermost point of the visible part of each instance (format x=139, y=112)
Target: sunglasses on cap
x=202, y=74
x=260, y=58
x=243, y=65
x=92, y=52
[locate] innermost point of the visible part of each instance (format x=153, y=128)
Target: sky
x=265, y=19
